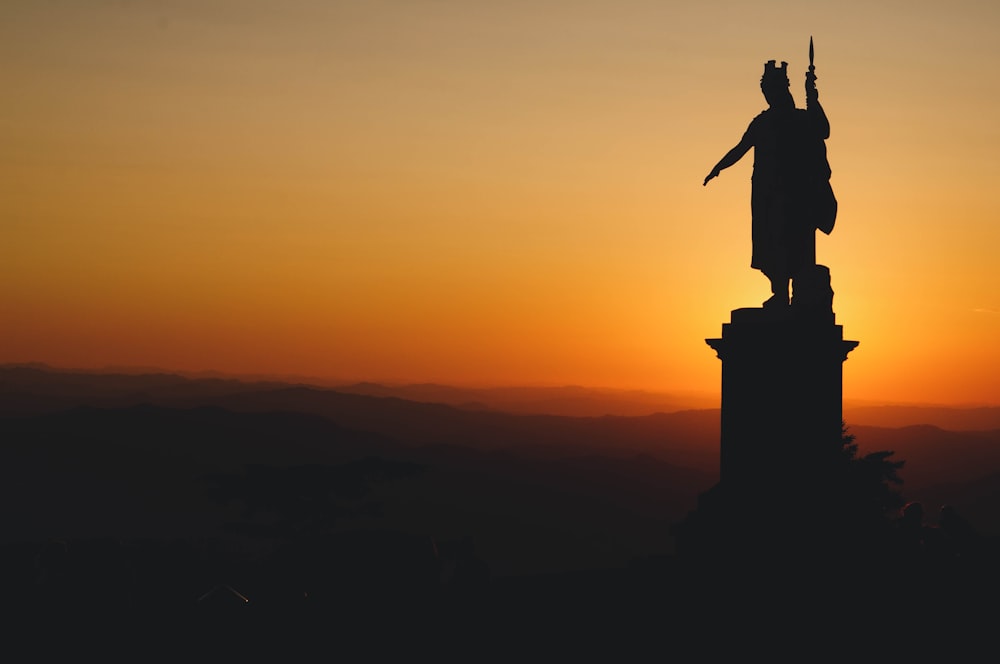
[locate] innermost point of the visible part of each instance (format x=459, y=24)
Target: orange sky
x=484, y=193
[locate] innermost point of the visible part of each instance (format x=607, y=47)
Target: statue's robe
x=791, y=194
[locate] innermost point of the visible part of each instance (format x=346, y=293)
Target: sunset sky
x=485, y=193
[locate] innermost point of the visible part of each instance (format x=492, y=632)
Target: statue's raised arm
x=812, y=98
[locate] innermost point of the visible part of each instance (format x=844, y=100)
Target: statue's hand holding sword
x=811, y=94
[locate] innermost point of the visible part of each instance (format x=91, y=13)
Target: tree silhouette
x=856, y=498
x=820, y=502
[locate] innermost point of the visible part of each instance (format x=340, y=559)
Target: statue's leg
x=768, y=244
x=779, y=290
x=802, y=262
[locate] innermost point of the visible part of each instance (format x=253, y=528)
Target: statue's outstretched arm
x=730, y=158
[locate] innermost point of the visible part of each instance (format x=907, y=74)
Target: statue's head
x=774, y=85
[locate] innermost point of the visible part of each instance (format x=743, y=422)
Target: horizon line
x=333, y=382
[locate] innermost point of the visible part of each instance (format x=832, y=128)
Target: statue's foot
x=776, y=301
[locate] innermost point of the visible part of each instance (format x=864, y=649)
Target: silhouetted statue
x=791, y=194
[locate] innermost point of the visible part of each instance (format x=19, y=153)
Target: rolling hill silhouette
x=105, y=437
x=935, y=455
x=139, y=471
x=570, y=513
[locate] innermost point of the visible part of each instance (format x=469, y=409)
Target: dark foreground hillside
x=373, y=602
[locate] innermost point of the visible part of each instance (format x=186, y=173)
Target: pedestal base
x=782, y=451
x=782, y=391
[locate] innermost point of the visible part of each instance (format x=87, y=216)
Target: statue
x=791, y=193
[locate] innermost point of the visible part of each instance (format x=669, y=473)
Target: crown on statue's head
x=774, y=74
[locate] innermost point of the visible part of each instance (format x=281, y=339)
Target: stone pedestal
x=782, y=393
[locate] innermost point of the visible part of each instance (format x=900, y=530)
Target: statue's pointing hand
x=713, y=174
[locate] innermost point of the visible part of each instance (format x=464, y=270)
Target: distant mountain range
x=116, y=452
x=24, y=387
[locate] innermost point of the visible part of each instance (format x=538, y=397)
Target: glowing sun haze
x=485, y=193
